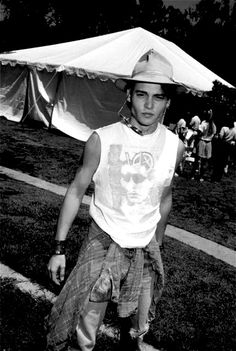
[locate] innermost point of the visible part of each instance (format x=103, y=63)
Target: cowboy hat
x=150, y=68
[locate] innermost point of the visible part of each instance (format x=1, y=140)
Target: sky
x=181, y=4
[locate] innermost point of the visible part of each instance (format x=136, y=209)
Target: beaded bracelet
x=60, y=248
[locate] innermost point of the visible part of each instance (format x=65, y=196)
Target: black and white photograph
x=118, y=175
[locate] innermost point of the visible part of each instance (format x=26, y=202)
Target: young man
x=132, y=164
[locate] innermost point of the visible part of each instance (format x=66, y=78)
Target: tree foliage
x=223, y=102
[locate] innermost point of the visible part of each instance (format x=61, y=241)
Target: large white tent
x=70, y=86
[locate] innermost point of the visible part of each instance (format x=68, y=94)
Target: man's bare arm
x=166, y=200
x=72, y=202
x=77, y=188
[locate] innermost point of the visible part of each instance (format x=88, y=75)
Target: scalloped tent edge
x=70, y=86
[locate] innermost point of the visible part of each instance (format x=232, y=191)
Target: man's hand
x=56, y=268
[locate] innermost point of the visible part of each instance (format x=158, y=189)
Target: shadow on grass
x=22, y=319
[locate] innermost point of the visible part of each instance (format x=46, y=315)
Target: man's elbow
x=166, y=205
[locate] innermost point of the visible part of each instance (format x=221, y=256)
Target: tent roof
x=114, y=55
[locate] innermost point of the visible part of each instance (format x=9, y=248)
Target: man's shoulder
x=109, y=127
x=168, y=131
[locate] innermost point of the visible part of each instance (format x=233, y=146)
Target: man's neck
x=144, y=130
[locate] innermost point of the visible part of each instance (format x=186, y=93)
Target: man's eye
x=160, y=97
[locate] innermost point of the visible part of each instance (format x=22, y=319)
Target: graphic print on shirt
x=131, y=178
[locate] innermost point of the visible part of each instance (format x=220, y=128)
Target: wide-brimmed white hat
x=152, y=67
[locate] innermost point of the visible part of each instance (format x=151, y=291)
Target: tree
x=211, y=37
x=223, y=102
x=24, y=18
x=176, y=26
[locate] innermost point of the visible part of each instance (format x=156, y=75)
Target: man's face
x=148, y=104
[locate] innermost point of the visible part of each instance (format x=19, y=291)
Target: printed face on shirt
x=136, y=178
x=148, y=105
x=135, y=183
x=131, y=179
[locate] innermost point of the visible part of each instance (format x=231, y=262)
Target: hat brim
x=122, y=83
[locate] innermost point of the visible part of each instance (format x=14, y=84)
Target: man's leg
x=140, y=320
x=89, y=323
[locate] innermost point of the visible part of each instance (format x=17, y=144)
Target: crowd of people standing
x=210, y=150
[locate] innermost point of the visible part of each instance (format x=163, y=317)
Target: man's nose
x=149, y=103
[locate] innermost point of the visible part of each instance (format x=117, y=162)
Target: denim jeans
x=91, y=320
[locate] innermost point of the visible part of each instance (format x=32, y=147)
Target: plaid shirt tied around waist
x=104, y=272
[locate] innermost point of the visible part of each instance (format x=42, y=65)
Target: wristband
x=60, y=247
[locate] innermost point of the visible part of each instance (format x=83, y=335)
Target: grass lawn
x=198, y=307
x=207, y=209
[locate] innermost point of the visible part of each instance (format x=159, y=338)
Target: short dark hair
x=168, y=89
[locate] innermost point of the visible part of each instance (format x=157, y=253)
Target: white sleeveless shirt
x=129, y=181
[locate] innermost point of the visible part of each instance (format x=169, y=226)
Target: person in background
x=192, y=139
x=207, y=129
x=181, y=130
x=224, y=149
x=194, y=125
x=120, y=259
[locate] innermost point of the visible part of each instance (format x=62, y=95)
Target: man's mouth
x=147, y=114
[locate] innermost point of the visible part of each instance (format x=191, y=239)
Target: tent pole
x=25, y=111
x=55, y=97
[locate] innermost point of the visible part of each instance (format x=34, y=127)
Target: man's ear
x=128, y=98
x=168, y=104
x=128, y=95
